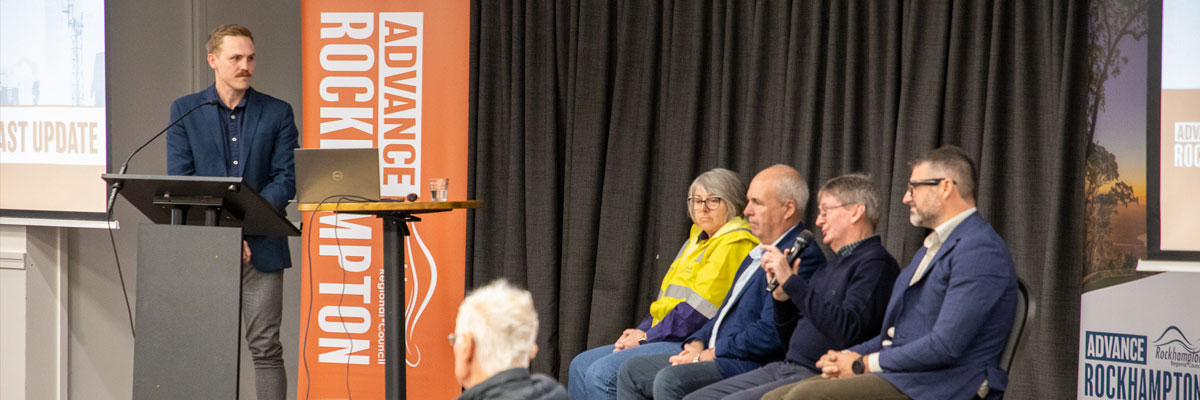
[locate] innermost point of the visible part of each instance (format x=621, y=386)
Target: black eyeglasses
x=710, y=203
x=926, y=182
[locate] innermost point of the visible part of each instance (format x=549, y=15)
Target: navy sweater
x=841, y=305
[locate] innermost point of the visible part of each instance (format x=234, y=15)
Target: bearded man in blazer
x=237, y=131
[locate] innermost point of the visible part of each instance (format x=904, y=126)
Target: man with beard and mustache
x=950, y=312
x=250, y=135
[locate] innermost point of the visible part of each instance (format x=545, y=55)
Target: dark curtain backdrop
x=588, y=120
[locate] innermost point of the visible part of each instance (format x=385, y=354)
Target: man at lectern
x=251, y=135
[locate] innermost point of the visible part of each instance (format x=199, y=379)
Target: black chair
x=1026, y=308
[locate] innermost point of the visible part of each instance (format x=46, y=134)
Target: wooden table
x=396, y=215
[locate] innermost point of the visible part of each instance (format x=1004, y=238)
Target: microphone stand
x=116, y=186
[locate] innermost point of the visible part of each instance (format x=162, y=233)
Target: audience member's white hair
x=502, y=320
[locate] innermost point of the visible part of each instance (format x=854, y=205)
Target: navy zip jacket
x=841, y=305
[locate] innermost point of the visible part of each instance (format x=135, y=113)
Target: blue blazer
x=747, y=338
x=953, y=323
x=195, y=146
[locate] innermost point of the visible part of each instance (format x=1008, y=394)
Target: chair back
x=1021, y=318
x=1025, y=311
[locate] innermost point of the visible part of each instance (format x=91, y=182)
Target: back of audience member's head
x=855, y=189
x=954, y=163
x=725, y=184
x=502, y=323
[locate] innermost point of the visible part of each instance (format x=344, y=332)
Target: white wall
x=12, y=312
x=33, y=312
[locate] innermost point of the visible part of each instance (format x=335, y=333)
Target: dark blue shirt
x=231, y=134
x=841, y=305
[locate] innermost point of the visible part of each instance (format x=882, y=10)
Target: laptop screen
x=325, y=174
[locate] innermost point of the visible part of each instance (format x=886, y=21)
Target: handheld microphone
x=116, y=186
x=410, y=198
x=802, y=241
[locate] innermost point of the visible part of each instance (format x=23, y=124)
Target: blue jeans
x=653, y=377
x=594, y=372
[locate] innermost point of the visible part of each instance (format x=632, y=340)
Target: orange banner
x=370, y=68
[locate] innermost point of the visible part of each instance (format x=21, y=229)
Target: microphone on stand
x=802, y=240
x=116, y=186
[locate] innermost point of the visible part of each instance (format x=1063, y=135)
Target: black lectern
x=189, y=280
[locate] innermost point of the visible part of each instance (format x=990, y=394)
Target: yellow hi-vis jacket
x=704, y=270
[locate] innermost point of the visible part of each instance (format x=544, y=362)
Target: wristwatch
x=642, y=340
x=857, y=366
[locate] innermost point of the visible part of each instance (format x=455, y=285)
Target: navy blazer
x=952, y=325
x=195, y=146
x=747, y=338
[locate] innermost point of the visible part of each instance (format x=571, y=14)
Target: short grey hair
x=855, y=189
x=792, y=187
x=501, y=319
x=725, y=184
x=956, y=164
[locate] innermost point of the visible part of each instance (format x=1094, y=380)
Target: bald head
x=778, y=171
x=788, y=186
x=777, y=198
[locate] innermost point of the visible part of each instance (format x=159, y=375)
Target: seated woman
x=691, y=292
